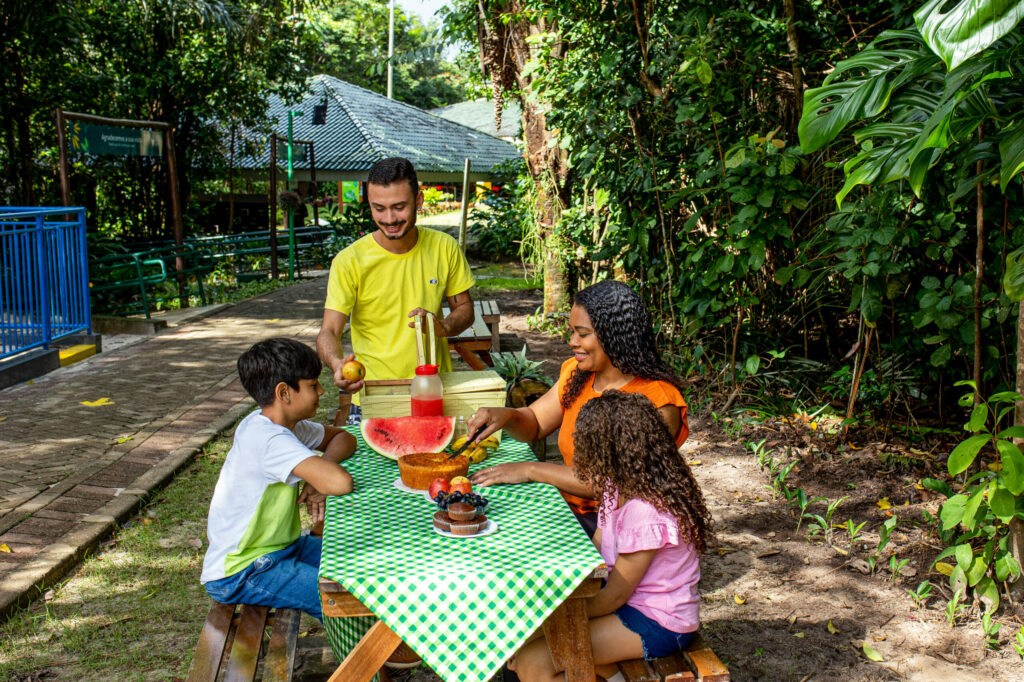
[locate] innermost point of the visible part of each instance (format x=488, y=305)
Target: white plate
x=406, y=489
x=491, y=527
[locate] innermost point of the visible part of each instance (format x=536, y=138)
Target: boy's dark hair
x=269, y=362
x=394, y=169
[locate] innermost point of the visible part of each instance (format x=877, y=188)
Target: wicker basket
x=464, y=392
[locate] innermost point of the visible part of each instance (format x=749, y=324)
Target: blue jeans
x=657, y=640
x=286, y=578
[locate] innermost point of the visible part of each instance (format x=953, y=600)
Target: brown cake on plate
x=420, y=469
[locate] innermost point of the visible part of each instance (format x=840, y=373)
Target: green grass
x=134, y=610
x=509, y=283
x=507, y=276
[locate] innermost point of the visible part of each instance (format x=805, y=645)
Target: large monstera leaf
x=967, y=28
x=860, y=87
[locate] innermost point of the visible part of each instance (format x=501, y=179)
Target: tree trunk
x=979, y=272
x=794, y=48
x=545, y=159
x=1016, y=525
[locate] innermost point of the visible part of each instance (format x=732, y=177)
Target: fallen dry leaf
x=861, y=566
x=870, y=652
x=739, y=599
x=792, y=619
x=798, y=634
x=99, y=402
x=5, y=548
x=884, y=504
x=195, y=542
x=695, y=463
x=49, y=595
x=832, y=629
x=944, y=568
x=769, y=553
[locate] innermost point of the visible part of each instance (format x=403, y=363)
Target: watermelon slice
x=399, y=436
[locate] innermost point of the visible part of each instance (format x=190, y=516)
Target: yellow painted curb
x=75, y=353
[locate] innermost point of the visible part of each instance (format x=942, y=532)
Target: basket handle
x=430, y=359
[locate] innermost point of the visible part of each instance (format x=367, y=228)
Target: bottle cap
x=426, y=370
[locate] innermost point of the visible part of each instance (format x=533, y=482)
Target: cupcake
x=461, y=511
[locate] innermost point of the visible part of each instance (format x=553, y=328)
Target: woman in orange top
x=613, y=348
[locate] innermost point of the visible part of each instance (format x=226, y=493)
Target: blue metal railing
x=44, y=277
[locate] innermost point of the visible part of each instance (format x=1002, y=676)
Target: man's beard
x=408, y=226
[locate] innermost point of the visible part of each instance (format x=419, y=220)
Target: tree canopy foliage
x=202, y=65
x=680, y=121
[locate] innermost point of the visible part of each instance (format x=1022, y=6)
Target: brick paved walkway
x=69, y=471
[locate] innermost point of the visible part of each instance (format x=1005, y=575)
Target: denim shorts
x=657, y=640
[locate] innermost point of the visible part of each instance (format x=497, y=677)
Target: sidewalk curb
x=32, y=579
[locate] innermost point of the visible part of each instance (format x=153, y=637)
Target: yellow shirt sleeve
x=343, y=282
x=461, y=277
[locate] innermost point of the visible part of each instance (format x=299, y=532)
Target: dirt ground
x=770, y=594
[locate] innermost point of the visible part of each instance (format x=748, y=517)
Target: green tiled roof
x=479, y=114
x=363, y=127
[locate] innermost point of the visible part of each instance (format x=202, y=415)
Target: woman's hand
x=514, y=472
x=490, y=419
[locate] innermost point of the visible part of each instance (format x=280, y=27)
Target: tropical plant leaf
x=952, y=511
x=1011, y=153
x=1012, y=473
x=1013, y=276
x=830, y=108
x=964, y=453
x=966, y=29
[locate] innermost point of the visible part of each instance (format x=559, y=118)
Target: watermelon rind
x=397, y=436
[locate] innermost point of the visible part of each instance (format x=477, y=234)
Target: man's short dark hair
x=394, y=169
x=268, y=363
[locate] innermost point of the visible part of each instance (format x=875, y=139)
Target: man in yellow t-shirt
x=389, y=276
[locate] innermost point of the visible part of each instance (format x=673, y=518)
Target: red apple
x=439, y=485
x=461, y=484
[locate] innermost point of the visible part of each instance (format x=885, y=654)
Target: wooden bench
x=475, y=344
x=697, y=662
x=232, y=644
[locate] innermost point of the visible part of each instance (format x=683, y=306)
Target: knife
x=469, y=441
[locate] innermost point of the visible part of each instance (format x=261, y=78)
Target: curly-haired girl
x=613, y=348
x=652, y=528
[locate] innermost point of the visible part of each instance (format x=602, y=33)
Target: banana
x=477, y=455
x=490, y=442
x=458, y=443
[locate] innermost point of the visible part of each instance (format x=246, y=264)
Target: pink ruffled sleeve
x=642, y=527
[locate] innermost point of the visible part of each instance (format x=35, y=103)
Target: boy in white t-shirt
x=256, y=554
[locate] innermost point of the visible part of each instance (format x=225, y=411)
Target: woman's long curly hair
x=625, y=332
x=622, y=441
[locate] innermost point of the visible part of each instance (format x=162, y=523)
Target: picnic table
x=475, y=343
x=464, y=605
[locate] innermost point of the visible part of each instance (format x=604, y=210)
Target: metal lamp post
x=291, y=208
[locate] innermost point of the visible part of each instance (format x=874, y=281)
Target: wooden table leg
x=363, y=662
x=568, y=635
x=471, y=359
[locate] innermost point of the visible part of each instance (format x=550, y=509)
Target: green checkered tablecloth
x=463, y=604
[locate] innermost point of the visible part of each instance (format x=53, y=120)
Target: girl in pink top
x=652, y=528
